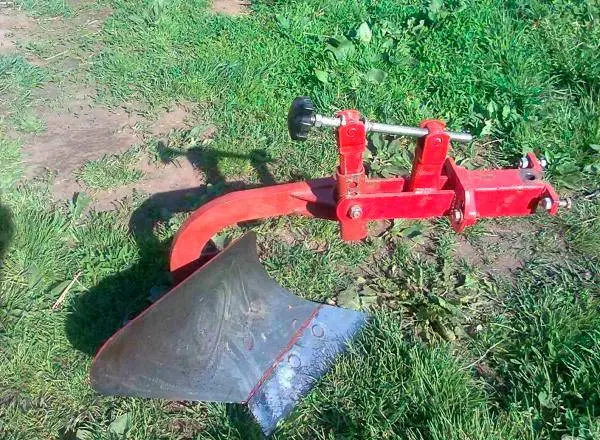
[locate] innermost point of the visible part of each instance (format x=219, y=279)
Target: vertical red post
x=352, y=142
x=430, y=156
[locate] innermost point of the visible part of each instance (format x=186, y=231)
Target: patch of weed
x=315, y=263
x=17, y=79
x=46, y=8
x=29, y=123
x=111, y=171
x=436, y=295
x=583, y=225
x=548, y=349
x=10, y=165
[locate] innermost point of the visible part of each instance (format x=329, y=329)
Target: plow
x=227, y=332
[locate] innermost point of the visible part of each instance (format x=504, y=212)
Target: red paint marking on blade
x=283, y=352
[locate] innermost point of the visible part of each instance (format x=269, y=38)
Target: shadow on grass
x=7, y=230
x=103, y=309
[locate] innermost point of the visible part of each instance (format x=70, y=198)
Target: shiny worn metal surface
x=228, y=333
x=303, y=364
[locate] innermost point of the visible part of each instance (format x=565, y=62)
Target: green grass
x=391, y=387
x=10, y=166
x=46, y=8
x=452, y=353
x=111, y=171
x=548, y=352
x=582, y=226
x=511, y=71
x=17, y=80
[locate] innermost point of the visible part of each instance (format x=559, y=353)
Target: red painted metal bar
x=351, y=177
x=310, y=198
x=436, y=187
x=430, y=156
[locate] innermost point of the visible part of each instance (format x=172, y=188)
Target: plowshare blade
x=227, y=333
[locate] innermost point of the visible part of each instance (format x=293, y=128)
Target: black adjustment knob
x=301, y=118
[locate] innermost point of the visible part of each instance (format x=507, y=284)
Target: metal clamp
x=397, y=130
x=302, y=116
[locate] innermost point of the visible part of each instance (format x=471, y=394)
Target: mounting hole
x=294, y=361
x=318, y=331
x=529, y=176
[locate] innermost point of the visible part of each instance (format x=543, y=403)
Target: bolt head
x=565, y=203
x=546, y=203
x=524, y=162
x=457, y=215
x=543, y=162
x=355, y=211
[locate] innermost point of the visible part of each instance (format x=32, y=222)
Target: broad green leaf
x=395, y=146
x=394, y=169
x=593, y=168
x=545, y=399
x=443, y=330
x=282, y=21
x=322, y=76
x=487, y=128
x=80, y=202
x=221, y=240
x=438, y=300
x=388, y=43
x=83, y=434
x=368, y=291
x=435, y=6
x=595, y=147
x=348, y=298
x=342, y=48
x=368, y=301
x=363, y=33
x=120, y=425
x=378, y=141
x=412, y=231
x=566, y=168
x=376, y=76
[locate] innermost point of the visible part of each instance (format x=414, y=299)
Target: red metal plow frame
x=436, y=187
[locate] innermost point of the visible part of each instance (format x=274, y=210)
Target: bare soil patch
x=231, y=7
x=77, y=128
x=179, y=175
x=14, y=26
x=82, y=132
x=178, y=117
x=501, y=250
x=77, y=134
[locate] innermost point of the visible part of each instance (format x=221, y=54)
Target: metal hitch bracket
x=436, y=187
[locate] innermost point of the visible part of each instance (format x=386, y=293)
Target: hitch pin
x=398, y=130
